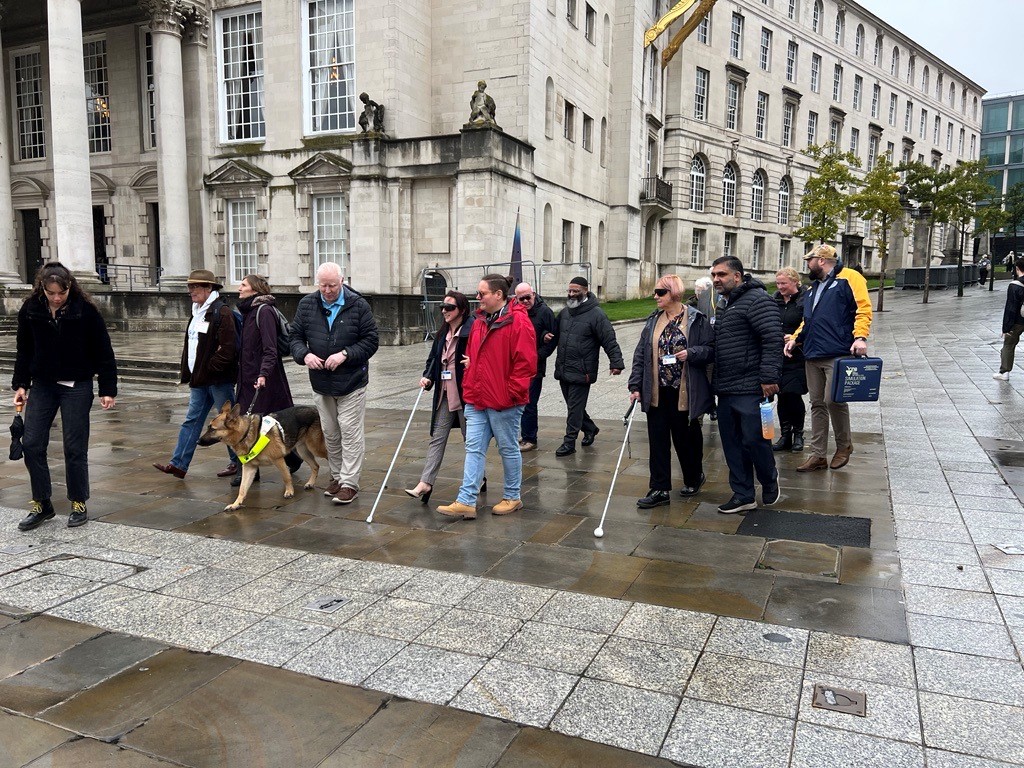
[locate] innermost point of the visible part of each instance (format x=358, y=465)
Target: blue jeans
x=45, y=399
x=481, y=426
x=746, y=450
x=200, y=401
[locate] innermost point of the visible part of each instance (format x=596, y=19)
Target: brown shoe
x=525, y=446
x=228, y=471
x=507, y=506
x=333, y=488
x=170, y=469
x=842, y=457
x=345, y=495
x=455, y=509
x=813, y=464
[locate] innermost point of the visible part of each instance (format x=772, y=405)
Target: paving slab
x=715, y=736
x=816, y=746
x=23, y=740
x=25, y=643
x=769, y=688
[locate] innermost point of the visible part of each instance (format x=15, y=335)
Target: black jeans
x=74, y=403
x=576, y=396
x=528, y=426
x=746, y=450
x=668, y=426
x=792, y=410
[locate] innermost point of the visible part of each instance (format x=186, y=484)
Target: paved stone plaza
x=168, y=631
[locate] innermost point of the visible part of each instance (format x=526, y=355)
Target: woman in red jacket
x=501, y=360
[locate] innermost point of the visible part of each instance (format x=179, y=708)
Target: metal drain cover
x=840, y=700
x=327, y=604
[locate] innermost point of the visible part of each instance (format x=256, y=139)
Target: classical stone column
x=72, y=185
x=197, y=129
x=166, y=17
x=8, y=256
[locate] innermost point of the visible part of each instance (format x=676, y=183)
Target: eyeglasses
x=448, y=307
x=524, y=299
x=660, y=291
x=481, y=294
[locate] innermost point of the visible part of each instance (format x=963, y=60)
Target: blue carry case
x=856, y=379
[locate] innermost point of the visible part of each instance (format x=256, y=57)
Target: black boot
x=785, y=442
x=798, y=440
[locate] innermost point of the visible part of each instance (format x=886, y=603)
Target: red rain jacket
x=502, y=360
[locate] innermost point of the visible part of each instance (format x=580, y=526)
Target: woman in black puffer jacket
x=790, y=298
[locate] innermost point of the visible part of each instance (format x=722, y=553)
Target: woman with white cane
x=444, y=368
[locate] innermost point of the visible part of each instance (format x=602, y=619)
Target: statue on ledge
x=372, y=118
x=482, y=109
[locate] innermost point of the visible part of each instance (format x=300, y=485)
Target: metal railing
x=654, y=189
x=127, y=277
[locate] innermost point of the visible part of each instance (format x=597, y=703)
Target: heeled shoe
x=424, y=497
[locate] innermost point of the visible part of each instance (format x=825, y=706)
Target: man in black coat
x=583, y=329
x=543, y=320
x=334, y=335
x=748, y=366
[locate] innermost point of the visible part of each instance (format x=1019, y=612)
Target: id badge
x=669, y=360
x=202, y=327
x=446, y=375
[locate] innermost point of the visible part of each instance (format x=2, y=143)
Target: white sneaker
x=1001, y=376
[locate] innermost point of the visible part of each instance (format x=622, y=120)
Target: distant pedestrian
x=583, y=329
x=62, y=342
x=792, y=412
x=669, y=379
x=1013, y=322
x=837, y=322
x=1009, y=262
x=209, y=365
x=748, y=366
x=706, y=300
x=543, y=320
x=501, y=359
x=334, y=335
x=983, y=267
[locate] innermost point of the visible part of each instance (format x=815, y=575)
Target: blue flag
x=517, y=254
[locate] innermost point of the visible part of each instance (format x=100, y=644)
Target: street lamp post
x=919, y=213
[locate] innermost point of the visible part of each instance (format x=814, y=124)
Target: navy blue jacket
x=842, y=313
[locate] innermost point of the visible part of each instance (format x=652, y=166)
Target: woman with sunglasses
x=669, y=378
x=444, y=367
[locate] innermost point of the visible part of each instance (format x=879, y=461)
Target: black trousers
x=74, y=403
x=746, y=451
x=668, y=426
x=576, y=396
x=528, y=426
x=792, y=410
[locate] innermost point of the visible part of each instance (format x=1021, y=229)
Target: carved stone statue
x=482, y=109
x=372, y=118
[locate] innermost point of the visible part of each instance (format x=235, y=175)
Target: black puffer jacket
x=432, y=370
x=580, y=335
x=1012, y=309
x=73, y=347
x=544, y=322
x=700, y=348
x=794, y=377
x=748, y=341
x=354, y=330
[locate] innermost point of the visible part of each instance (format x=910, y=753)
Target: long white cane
x=628, y=420
x=398, y=450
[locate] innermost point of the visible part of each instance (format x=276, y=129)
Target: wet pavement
x=524, y=640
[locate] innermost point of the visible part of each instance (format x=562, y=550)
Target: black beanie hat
x=580, y=281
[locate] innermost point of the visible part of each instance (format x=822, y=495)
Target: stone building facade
x=224, y=134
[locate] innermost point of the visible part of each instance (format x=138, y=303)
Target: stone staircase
x=137, y=371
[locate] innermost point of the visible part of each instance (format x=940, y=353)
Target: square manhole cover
x=840, y=700
x=327, y=604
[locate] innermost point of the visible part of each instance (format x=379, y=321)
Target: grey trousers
x=443, y=423
x=819, y=388
x=342, y=420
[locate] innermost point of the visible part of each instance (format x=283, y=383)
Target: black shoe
x=798, y=441
x=483, y=485
x=770, y=495
x=785, y=441
x=236, y=481
x=38, y=513
x=688, y=490
x=565, y=449
x=588, y=437
x=654, y=499
x=294, y=461
x=79, y=514
x=736, y=505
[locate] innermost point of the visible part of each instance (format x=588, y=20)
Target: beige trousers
x=342, y=419
x=819, y=388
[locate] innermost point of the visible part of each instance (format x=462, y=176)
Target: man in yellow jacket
x=837, y=321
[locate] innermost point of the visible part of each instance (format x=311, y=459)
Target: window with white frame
x=974, y=146
x=330, y=231
x=700, y=94
x=792, y=52
x=835, y=132
x=97, y=95
x=588, y=133
x=569, y=121
x=732, y=105
x=893, y=105
x=854, y=140
x=812, y=128
x=755, y=259
x=877, y=58
x=570, y=11
x=736, y=37
x=757, y=196
x=766, y=49
x=816, y=15
x=925, y=77
x=837, y=83
x=963, y=102
x=936, y=129
x=784, y=201
x=873, y=142
x=858, y=42
x=698, y=176
x=792, y=11
x=840, y=28
x=949, y=137
x=890, y=150
x=653, y=74
x=761, y=117
x=908, y=116
x=894, y=65
x=331, y=50
x=584, y=244
x=924, y=123
x=729, y=190
x=241, y=239
x=590, y=24
x=567, y=227
x=816, y=73
x=876, y=96
x=697, y=246
x=149, y=91
x=952, y=94
x=729, y=244
x=858, y=89
x=783, y=253
x=240, y=49
x=704, y=30
x=911, y=69
x=960, y=143
x=28, y=95
x=938, y=87
x=788, y=118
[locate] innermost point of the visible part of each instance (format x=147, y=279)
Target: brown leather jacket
x=217, y=352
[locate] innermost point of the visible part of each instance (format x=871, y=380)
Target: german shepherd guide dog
x=300, y=431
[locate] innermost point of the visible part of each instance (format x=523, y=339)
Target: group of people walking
x=486, y=370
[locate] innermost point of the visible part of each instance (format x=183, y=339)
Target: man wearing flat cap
x=209, y=365
x=581, y=331
x=837, y=321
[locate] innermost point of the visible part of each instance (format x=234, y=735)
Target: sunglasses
x=524, y=299
x=661, y=291
x=448, y=307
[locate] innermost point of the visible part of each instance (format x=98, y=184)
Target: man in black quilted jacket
x=334, y=335
x=748, y=366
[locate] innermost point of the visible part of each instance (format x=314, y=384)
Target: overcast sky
x=981, y=38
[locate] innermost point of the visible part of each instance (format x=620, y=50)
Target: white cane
x=628, y=420
x=398, y=450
